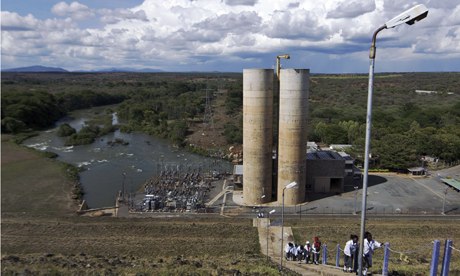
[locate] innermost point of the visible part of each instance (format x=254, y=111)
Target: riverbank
x=33, y=184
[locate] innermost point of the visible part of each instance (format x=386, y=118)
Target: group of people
x=308, y=252
x=351, y=252
x=311, y=252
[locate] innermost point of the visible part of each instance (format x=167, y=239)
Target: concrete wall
x=293, y=111
x=257, y=135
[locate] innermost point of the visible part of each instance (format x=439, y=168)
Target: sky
x=327, y=36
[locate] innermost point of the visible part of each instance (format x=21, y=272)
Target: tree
x=65, y=130
x=395, y=151
x=178, y=132
x=12, y=125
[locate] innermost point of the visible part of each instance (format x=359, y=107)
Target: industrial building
x=265, y=175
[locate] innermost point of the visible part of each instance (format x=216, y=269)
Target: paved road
x=387, y=194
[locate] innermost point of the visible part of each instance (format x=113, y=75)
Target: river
x=108, y=167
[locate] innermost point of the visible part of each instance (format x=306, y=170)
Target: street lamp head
x=291, y=185
x=272, y=211
x=409, y=17
x=286, y=56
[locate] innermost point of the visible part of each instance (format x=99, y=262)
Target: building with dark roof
x=331, y=172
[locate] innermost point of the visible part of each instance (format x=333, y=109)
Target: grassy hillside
x=410, y=239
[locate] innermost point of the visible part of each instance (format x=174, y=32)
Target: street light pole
x=356, y=198
x=444, y=202
x=289, y=186
x=268, y=227
x=278, y=63
x=410, y=16
x=123, y=187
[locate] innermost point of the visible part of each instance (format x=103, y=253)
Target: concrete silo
x=292, y=140
x=257, y=135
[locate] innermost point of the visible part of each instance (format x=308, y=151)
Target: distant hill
x=40, y=68
x=121, y=69
x=36, y=68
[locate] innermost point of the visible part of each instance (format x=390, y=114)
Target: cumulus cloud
x=350, y=9
x=14, y=22
x=114, y=16
x=74, y=10
x=232, y=22
x=183, y=34
x=296, y=25
x=241, y=2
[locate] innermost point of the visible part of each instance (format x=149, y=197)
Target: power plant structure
x=272, y=162
x=257, y=135
x=258, y=91
x=292, y=137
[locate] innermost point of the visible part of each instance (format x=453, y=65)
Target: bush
x=233, y=134
x=65, y=130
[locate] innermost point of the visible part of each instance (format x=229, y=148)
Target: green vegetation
x=233, y=131
x=36, y=101
x=28, y=110
x=163, y=108
x=406, y=125
x=65, y=130
x=87, y=135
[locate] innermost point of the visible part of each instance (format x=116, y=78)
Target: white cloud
x=114, y=16
x=232, y=23
x=183, y=34
x=14, y=22
x=75, y=10
x=296, y=25
x=241, y=2
x=350, y=9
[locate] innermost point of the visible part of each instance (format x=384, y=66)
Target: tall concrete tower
x=292, y=140
x=257, y=135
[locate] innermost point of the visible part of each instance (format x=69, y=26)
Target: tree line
x=35, y=110
x=406, y=125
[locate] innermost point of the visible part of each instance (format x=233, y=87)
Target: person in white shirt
x=369, y=246
x=349, y=250
x=307, y=248
x=288, y=251
x=293, y=252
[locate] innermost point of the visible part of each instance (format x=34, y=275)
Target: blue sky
x=328, y=36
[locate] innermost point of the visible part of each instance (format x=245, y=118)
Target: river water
x=108, y=168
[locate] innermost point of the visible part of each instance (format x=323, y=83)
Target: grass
x=32, y=183
x=411, y=237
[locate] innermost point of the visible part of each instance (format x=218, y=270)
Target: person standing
x=316, y=250
x=308, y=250
x=349, y=251
x=369, y=246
